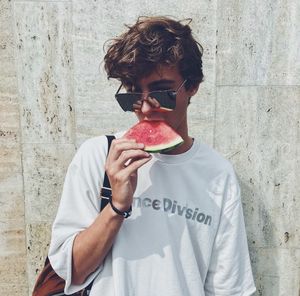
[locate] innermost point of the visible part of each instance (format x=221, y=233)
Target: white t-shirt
x=186, y=235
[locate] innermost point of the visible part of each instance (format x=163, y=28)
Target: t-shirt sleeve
x=229, y=271
x=78, y=208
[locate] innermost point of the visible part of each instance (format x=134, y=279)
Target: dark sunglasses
x=165, y=98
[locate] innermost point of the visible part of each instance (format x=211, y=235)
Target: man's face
x=164, y=78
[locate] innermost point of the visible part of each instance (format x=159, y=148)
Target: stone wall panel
x=258, y=43
x=43, y=31
x=45, y=167
x=257, y=129
x=38, y=241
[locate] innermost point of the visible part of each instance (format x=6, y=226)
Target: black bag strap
x=105, y=195
x=106, y=190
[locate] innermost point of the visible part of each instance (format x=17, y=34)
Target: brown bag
x=48, y=282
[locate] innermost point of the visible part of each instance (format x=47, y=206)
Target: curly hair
x=150, y=42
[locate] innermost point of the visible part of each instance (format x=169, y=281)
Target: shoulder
x=219, y=173
x=91, y=148
x=214, y=161
x=92, y=151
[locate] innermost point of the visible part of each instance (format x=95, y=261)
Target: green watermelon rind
x=165, y=147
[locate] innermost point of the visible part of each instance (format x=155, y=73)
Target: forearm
x=92, y=245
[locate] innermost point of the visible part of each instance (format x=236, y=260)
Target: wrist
x=125, y=212
x=122, y=206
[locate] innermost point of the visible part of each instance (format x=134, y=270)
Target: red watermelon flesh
x=157, y=136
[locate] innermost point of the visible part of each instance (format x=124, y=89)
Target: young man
x=186, y=234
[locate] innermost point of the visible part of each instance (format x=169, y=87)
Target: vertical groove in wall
x=22, y=150
x=20, y=138
x=74, y=128
x=216, y=74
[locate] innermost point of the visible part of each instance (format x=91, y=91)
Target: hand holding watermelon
x=124, y=159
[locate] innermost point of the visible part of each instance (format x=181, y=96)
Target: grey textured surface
x=43, y=31
x=13, y=260
x=257, y=128
x=54, y=95
x=258, y=42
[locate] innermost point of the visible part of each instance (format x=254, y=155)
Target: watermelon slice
x=156, y=135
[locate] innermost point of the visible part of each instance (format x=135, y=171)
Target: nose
x=146, y=108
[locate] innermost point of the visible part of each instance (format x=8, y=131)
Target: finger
x=129, y=156
x=137, y=105
x=112, y=167
x=135, y=165
x=118, y=141
x=123, y=145
x=154, y=102
x=121, y=140
x=122, y=175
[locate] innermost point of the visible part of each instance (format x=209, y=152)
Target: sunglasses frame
x=169, y=101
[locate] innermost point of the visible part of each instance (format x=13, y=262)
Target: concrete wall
x=54, y=95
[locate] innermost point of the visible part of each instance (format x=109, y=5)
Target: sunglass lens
x=129, y=101
x=166, y=99
x=126, y=101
